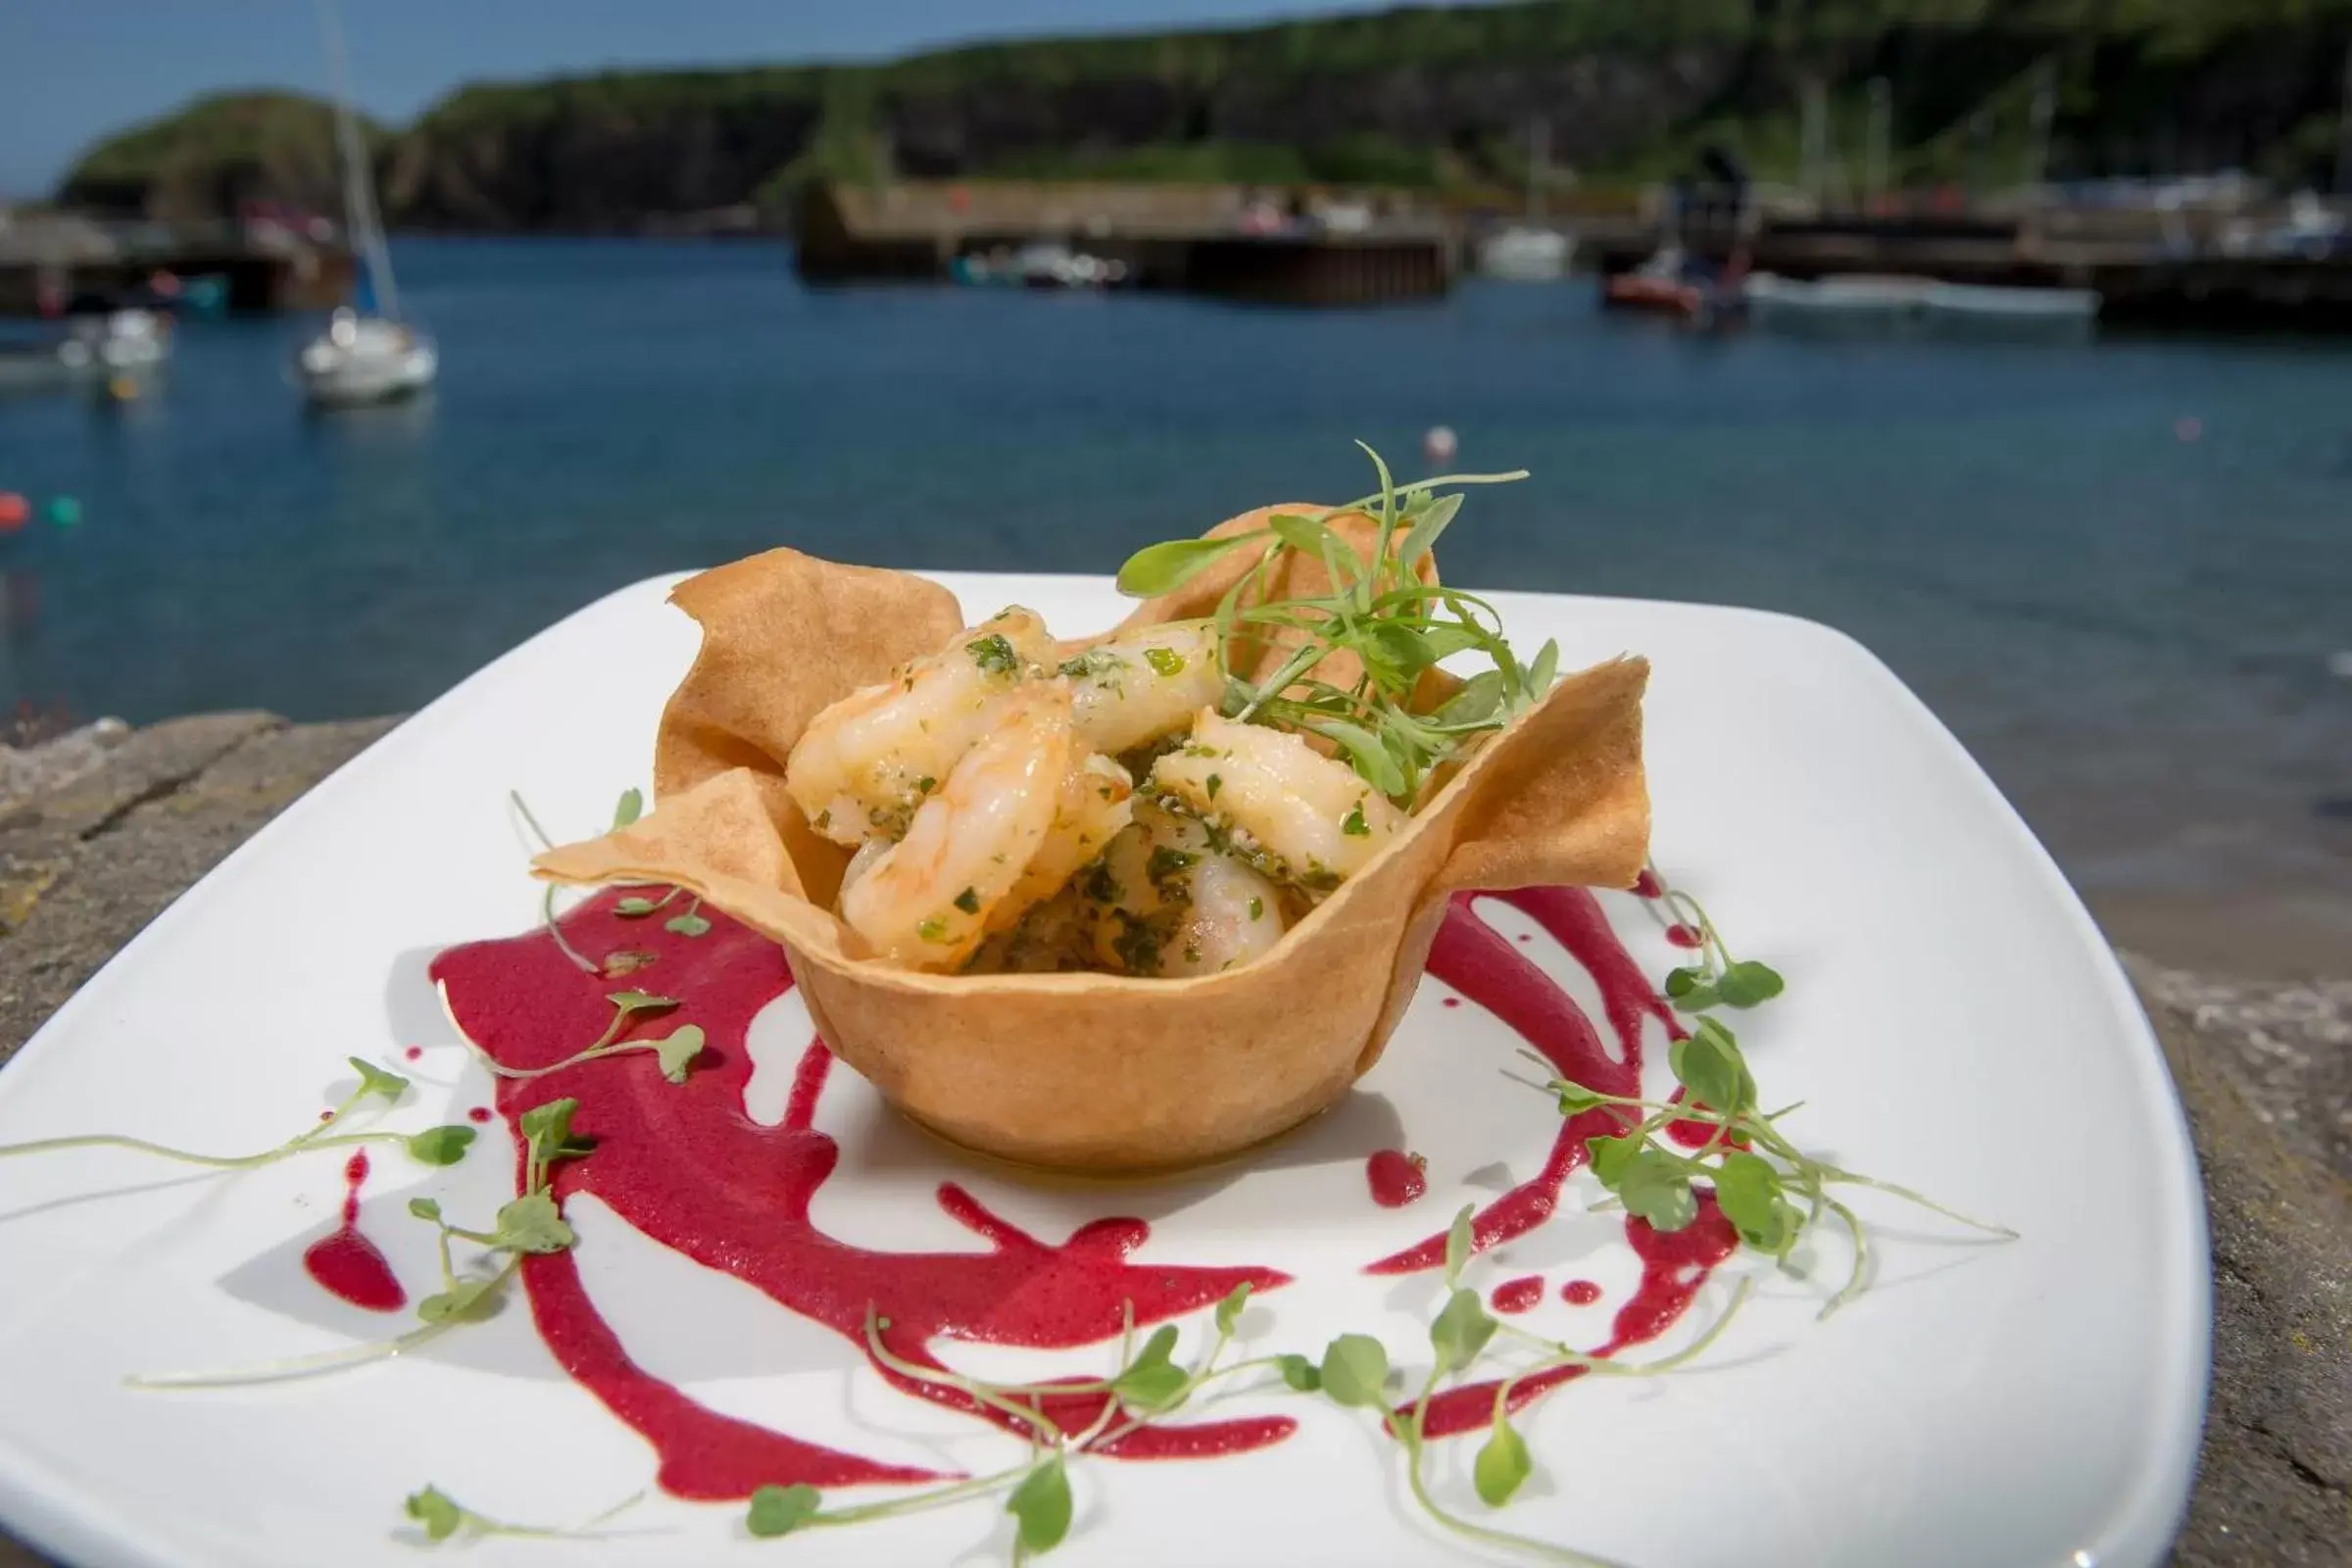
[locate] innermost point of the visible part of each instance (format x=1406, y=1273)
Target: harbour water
x=2118, y=568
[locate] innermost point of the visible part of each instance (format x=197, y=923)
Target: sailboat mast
x=1538, y=161
x=359, y=182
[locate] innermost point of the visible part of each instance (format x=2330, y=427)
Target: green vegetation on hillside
x=1417, y=96
x=216, y=151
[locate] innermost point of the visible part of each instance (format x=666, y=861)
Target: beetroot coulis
x=684, y=1164
x=1517, y=1295
x=1394, y=1177
x=346, y=1264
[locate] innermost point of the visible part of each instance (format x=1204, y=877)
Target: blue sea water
x=2129, y=619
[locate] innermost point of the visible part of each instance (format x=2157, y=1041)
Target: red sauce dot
x=1580, y=1292
x=1517, y=1295
x=479, y=1114
x=327, y=1115
x=1647, y=885
x=1394, y=1177
x=1453, y=1001
x=413, y=1052
x=1685, y=936
x=1525, y=937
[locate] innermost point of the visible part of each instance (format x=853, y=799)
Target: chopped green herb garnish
x=968, y=900
x=1215, y=783
x=1166, y=660
x=1093, y=662
x=1258, y=906
x=1166, y=861
x=1353, y=824
x=993, y=654
x=1138, y=944
x=934, y=929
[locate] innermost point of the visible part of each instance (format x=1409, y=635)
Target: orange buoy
x=13, y=510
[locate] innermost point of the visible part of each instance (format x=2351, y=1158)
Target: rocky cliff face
x=589, y=170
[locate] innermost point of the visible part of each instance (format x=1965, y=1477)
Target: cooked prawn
x=926, y=901
x=1171, y=905
x=863, y=764
x=1134, y=688
x=1299, y=814
x=1093, y=807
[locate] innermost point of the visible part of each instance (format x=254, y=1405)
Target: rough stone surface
x=2264, y=1068
x=30, y=771
x=84, y=867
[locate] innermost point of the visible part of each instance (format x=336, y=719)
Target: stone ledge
x=2265, y=1069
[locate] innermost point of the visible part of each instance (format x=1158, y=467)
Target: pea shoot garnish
x=532, y=1222
x=1770, y=1190
x=691, y=923
x=675, y=1050
x=1150, y=1384
x=434, y=1146
x=1717, y=977
x=1760, y=1177
x=441, y=1517
x=1463, y=1336
x=1381, y=610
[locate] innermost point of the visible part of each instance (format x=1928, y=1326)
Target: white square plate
x=1953, y=1022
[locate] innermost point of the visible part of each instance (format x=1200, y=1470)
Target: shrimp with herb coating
x=863, y=764
x=1169, y=905
x=1295, y=813
x=1134, y=688
x=927, y=901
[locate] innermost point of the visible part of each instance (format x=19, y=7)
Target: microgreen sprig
x=1758, y=1176
x=1717, y=976
x=442, y=1516
x=1377, y=608
x=434, y=1146
x=1147, y=1386
x=1354, y=1373
x=676, y=1050
x=625, y=813
x=532, y=1222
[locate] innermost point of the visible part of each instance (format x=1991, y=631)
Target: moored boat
x=1882, y=301
x=368, y=354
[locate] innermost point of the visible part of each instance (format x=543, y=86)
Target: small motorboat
x=119, y=349
x=1050, y=264
x=1043, y=264
x=1872, y=300
x=365, y=358
x=1671, y=283
x=1525, y=254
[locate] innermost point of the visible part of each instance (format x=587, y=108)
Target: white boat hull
x=1527, y=255
x=1870, y=301
x=342, y=378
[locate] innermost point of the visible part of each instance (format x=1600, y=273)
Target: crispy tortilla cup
x=1090, y=1074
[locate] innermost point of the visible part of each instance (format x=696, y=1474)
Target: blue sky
x=71, y=71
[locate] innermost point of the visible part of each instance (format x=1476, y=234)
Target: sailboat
x=1529, y=252
x=368, y=354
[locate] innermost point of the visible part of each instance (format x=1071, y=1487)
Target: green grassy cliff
x=1429, y=96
